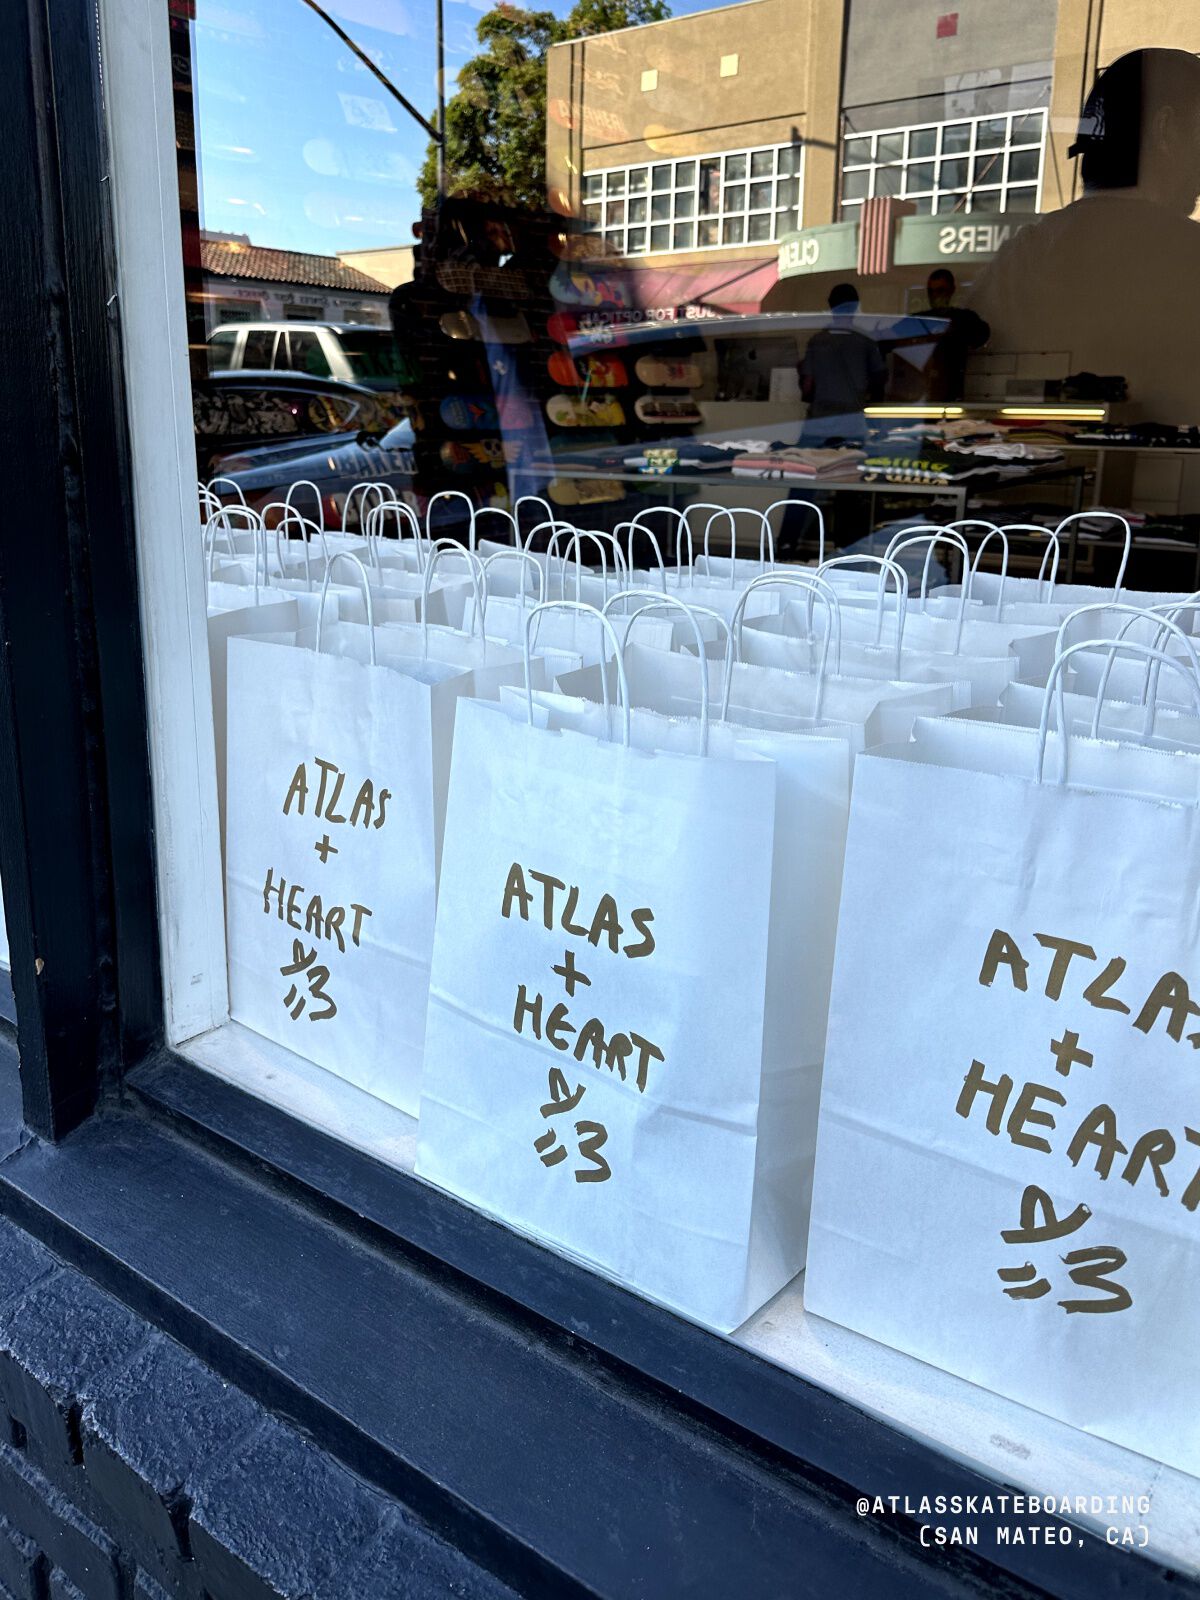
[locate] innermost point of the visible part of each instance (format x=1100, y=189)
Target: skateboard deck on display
x=664, y=413
x=593, y=372
x=566, y=411
x=658, y=373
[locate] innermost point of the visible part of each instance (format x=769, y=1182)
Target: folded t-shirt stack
x=1002, y=450
x=686, y=455
x=928, y=466
x=795, y=461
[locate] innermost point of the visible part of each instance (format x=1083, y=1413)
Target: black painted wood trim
x=76, y=854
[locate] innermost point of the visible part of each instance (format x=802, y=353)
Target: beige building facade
x=963, y=115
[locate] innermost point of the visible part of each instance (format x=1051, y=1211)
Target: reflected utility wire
x=371, y=67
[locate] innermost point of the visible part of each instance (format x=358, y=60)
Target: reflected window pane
x=1021, y=199
x=919, y=177
x=661, y=178
x=710, y=186
x=760, y=196
x=952, y=174
x=615, y=183
x=923, y=205
x=989, y=135
x=593, y=186
x=685, y=204
x=888, y=180
x=682, y=236
x=857, y=150
x=614, y=211
x=733, y=231
x=922, y=142
x=591, y=215
x=639, y=180
x=1027, y=129
x=856, y=185
x=988, y=169
x=685, y=174
x=637, y=210
x=956, y=137
x=1023, y=165
x=785, y=222
x=890, y=147
x=637, y=241
x=759, y=227
x=660, y=238
x=789, y=160
x=660, y=208
x=787, y=192
x=762, y=163
x=735, y=197
x=707, y=233
x=951, y=202
x=735, y=168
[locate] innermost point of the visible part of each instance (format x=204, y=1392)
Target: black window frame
x=78, y=869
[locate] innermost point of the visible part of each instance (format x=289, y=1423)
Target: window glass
x=258, y=352
x=306, y=354
x=221, y=348
x=953, y=288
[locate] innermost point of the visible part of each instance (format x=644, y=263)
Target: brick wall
x=131, y=1471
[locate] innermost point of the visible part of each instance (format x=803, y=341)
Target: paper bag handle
x=1166, y=626
x=451, y=547
x=533, y=499
x=993, y=532
x=814, y=585
x=451, y=494
x=531, y=622
x=307, y=483
x=1056, y=687
x=667, y=602
x=526, y=558
x=628, y=529
x=252, y=521
x=1110, y=516
x=766, y=539
x=811, y=505
x=233, y=484
x=887, y=569
x=500, y=511
x=364, y=490
x=956, y=542
x=344, y=555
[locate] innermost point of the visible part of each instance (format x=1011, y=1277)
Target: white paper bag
x=607, y=1066
x=1008, y=1172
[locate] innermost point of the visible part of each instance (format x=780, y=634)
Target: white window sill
x=1018, y=1448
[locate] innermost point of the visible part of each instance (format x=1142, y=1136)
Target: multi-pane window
x=991, y=163
x=701, y=203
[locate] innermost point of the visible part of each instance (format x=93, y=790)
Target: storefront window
x=696, y=304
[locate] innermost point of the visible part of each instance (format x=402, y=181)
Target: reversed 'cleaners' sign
x=330, y=862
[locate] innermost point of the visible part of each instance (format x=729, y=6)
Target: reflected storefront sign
x=973, y=238
x=918, y=241
x=833, y=248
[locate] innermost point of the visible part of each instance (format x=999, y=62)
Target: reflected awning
x=726, y=288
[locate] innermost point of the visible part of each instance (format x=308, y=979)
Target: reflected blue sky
x=299, y=145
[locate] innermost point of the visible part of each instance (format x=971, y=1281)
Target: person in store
x=841, y=372
x=1106, y=280
x=962, y=331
